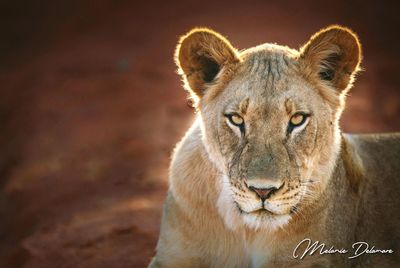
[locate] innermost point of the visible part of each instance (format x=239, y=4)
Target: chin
x=265, y=220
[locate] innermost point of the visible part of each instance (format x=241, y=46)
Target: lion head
x=269, y=118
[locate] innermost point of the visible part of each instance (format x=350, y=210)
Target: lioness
x=264, y=177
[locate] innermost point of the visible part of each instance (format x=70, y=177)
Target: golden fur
x=331, y=187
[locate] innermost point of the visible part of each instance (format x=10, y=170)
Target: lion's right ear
x=333, y=55
x=200, y=56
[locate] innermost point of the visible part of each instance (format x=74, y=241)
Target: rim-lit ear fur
x=332, y=57
x=200, y=56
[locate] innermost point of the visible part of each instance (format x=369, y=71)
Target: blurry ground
x=90, y=109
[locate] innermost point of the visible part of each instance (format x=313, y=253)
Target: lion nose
x=263, y=193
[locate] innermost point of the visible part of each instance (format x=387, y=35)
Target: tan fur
x=332, y=187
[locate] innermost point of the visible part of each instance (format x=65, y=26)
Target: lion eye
x=236, y=120
x=297, y=120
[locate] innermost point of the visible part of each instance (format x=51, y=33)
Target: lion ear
x=333, y=55
x=200, y=55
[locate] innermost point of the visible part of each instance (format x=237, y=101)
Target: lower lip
x=262, y=211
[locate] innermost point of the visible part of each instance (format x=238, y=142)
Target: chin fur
x=265, y=222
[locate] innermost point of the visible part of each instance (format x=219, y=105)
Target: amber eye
x=297, y=120
x=236, y=120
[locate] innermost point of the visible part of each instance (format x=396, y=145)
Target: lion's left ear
x=332, y=55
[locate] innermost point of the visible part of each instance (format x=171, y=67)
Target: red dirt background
x=91, y=107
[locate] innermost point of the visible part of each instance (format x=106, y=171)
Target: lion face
x=265, y=134
x=269, y=119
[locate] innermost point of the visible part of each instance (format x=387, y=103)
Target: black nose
x=263, y=193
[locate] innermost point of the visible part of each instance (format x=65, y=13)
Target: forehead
x=267, y=68
x=268, y=73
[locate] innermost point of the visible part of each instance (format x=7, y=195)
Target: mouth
x=264, y=211
x=264, y=218
x=260, y=211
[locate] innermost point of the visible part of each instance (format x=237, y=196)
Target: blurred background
x=91, y=107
